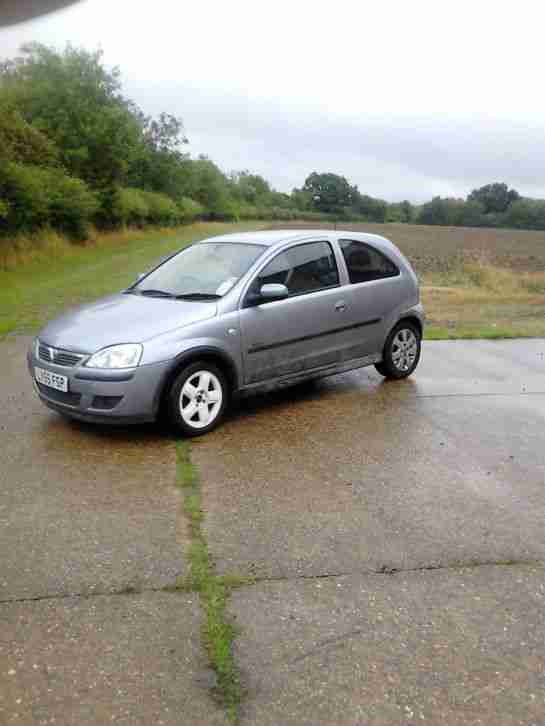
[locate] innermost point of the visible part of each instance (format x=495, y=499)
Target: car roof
x=274, y=237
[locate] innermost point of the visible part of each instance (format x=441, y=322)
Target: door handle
x=340, y=306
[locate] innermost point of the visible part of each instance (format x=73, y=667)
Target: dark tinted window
x=365, y=263
x=302, y=269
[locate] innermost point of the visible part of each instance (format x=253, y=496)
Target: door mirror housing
x=273, y=291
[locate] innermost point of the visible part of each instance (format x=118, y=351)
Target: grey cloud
x=387, y=155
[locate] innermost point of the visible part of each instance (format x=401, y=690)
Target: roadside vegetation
x=58, y=275
x=77, y=157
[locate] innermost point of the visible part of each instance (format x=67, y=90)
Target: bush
x=23, y=143
x=129, y=207
x=32, y=197
x=162, y=209
x=526, y=214
x=189, y=210
x=72, y=205
x=24, y=193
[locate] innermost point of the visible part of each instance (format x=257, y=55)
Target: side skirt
x=322, y=372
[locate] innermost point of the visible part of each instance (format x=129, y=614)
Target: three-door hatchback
x=227, y=315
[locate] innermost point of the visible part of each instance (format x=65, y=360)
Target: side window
x=304, y=268
x=365, y=263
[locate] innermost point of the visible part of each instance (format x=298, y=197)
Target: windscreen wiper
x=156, y=293
x=198, y=296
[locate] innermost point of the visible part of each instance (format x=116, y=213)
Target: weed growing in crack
x=218, y=633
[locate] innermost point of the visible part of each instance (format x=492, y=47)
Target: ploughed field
x=437, y=249
x=475, y=282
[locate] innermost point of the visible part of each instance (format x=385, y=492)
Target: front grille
x=70, y=399
x=58, y=356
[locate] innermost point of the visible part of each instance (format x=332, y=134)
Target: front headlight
x=127, y=355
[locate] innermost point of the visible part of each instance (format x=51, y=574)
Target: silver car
x=229, y=315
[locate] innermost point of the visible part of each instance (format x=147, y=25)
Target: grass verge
x=60, y=275
x=480, y=300
x=218, y=633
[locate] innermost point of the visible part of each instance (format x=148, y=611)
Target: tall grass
x=488, y=278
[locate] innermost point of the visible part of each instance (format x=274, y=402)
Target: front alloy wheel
x=198, y=398
x=401, y=352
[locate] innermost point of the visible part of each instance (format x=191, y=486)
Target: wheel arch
x=202, y=353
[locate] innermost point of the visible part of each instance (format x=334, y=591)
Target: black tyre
x=401, y=351
x=198, y=398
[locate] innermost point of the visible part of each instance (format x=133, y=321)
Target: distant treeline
x=76, y=153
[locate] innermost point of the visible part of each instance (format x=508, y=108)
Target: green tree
x=526, y=214
x=75, y=102
x=495, y=198
x=250, y=188
x=209, y=186
x=374, y=210
x=158, y=163
x=329, y=193
x=434, y=212
x=21, y=142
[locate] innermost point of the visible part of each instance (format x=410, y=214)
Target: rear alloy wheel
x=401, y=352
x=198, y=398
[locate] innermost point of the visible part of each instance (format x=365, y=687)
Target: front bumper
x=122, y=396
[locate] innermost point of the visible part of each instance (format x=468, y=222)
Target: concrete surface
x=359, y=501
x=357, y=474
x=455, y=648
x=126, y=659
x=323, y=487
x=87, y=510
x=82, y=509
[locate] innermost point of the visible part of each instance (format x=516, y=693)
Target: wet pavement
x=400, y=527
x=436, y=647
x=124, y=659
x=355, y=474
x=82, y=509
x=396, y=531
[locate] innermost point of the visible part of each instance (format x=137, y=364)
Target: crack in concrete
x=392, y=570
x=87, y=595
x=255, y=580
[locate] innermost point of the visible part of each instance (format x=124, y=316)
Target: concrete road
x=82, y=509
x=357, y=474
x=90, y=535
x=395, y=531
x=398, y=533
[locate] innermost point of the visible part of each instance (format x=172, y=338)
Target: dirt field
x=435, y=249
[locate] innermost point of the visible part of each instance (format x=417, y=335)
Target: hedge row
x=137, y=208
x=249, y=211
x=33, y=197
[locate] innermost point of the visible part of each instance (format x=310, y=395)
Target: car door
x=375, y=287
x=298, y=333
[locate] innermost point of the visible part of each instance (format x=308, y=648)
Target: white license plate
x=53, y=380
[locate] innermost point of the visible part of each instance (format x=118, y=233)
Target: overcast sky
x=405, y=99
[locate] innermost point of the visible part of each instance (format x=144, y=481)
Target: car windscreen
x=204, y=270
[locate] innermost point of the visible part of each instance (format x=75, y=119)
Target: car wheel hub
x=404, y=349
x=201, y=399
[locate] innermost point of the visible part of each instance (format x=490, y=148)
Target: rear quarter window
x=365, y=263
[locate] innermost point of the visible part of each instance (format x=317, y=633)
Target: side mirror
x=273, y=291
